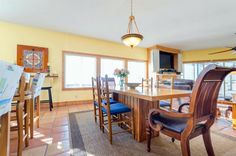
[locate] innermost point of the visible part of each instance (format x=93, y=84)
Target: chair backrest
x=37, y=84
x=105, y=94
x=111, y=81
x=205, y=93
x=96, y=90
x=147, y=82
x=27, y=81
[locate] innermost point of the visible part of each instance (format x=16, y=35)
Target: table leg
x=5, y=134
x=141, y=109
x=234, y=116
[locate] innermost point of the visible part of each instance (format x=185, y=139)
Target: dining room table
x=141, y=100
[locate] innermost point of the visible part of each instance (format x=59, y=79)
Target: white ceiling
x=183, y=24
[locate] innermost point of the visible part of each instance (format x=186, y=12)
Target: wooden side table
x=233, y=105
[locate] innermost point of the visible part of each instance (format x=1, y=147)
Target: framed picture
x=33, y=59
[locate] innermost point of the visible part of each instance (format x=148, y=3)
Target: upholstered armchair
x=201, y=115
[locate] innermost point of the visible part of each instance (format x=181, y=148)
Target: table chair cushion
x=173, y=124
x=111, y=101
x=117, y=108
x=104, y=102
x=164, y=104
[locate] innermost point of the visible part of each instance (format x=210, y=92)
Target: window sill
x=74, y=89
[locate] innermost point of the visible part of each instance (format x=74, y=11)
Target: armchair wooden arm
x=157, y=126
x=181, y=107
x=169, y=113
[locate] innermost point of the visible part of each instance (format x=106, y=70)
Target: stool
x=49, y=97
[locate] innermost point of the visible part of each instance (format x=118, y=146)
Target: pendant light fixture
x=133, y=37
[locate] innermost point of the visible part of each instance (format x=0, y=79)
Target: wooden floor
x=52, y=138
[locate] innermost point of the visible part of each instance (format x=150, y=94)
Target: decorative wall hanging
x=33, y=59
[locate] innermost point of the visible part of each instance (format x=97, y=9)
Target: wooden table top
x=153, y=94
x=224, y=102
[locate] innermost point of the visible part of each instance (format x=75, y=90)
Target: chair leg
x=95, y=113
x=26, y=108
x=50, y=99
x=38, y=110
x=31, y=101
x=185, y=147
x=102, y=122
x=173, y=139
x=171, y=104
x=20, y=128
x=227, y=112
x=132, y=123
x=109, y=128
x=149, y=136
x=207, y=141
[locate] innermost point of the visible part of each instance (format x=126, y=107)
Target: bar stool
x=21, y=109
x=49, y=97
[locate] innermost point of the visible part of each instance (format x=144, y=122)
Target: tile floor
x=52, y=138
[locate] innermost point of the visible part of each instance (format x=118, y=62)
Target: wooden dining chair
x=20, y=113
x=149, y=83
x=112, y=84
x=95, y=100
x=35, y=89
x=117, y=113
x=201, y=115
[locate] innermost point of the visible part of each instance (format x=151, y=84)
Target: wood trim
x=76, y=89
x=100, y=55
x=147, y=64
x=215, y=60
x=126, y=67
x=98, y=66
x=69, y=103
x=166, y=49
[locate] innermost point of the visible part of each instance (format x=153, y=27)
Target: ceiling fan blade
x=220, y=52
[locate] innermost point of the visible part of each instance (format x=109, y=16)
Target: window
x=109, y=65
x=192, y=70
x=137, y=71
x=78, y=70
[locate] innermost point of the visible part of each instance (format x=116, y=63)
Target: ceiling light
x=133, y=37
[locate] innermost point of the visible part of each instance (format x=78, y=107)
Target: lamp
x=133, y=37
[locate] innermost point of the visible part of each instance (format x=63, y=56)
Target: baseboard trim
x=66, y=103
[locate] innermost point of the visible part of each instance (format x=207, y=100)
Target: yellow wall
x=203, y=55
x=13, y=34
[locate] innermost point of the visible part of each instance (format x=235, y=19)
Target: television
x=166, y=60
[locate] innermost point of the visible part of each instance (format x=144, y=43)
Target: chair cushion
x=117, y=108
x=111, y=101
x=95, y=103
x=164, y=104
x=170, y=123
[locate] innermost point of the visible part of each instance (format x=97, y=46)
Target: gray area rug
x=87, y=139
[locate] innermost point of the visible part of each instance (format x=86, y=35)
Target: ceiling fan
x=224, y=51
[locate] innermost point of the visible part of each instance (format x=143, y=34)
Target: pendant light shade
x=132, y=40
x=133, y=37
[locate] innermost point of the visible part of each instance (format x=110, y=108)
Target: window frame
x=64, y=69
x=98, y=66
x=146, y=66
